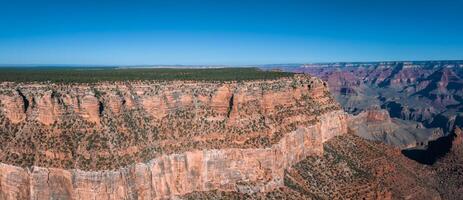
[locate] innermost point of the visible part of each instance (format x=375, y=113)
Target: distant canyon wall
x=429, y=92
x=375, y=124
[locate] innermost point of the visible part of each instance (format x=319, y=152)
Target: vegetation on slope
x=354, y=168
x=91, y=75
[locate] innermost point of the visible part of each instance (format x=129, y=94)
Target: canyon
x=375, y=124
x=157, y=140
x=355, y=168
x=424, y=94
x=429, y=92
x=278, y=138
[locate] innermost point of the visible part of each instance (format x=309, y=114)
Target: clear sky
x=228, y=32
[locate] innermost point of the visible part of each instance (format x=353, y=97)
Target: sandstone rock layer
x=242, y=170
x=157, y=140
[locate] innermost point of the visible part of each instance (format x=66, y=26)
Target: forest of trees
x=91, y=75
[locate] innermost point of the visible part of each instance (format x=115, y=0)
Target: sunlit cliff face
x=175, y=136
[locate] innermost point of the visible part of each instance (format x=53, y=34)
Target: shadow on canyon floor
x=435, y=150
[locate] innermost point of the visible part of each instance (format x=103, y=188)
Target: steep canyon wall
x=156, y=140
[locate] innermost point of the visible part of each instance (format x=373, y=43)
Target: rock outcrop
x=375, y=124
x=14, y=106
x=242, y=170
x=355, y=168
x=156, y=140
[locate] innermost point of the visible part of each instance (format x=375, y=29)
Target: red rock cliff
x=156, y=140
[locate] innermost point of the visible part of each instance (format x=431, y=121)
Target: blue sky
x=228, y=32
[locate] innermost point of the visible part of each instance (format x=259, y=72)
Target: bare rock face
x=332, y=124
x=220, y=100
x=15, y=181
x=376, y=114
x=13, y=107
x=48, y=109
x=157, y=140
x=243, y=170
x=458, y=139
x=375, y=124
x=155, y=106
x=90, y=108
x=115, y=103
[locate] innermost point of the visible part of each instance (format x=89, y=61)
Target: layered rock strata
x=355, y=168
x=156, y=140
x=375, y=124
x=243, y=170
x=429, y=92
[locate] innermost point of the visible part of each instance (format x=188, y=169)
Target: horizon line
x=224, y=65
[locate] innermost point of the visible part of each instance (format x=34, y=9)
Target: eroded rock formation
x=422, y=91
x=355, y=168
x=13, y=107
x=375, y=124
x=145, y=140
x=243, y=170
